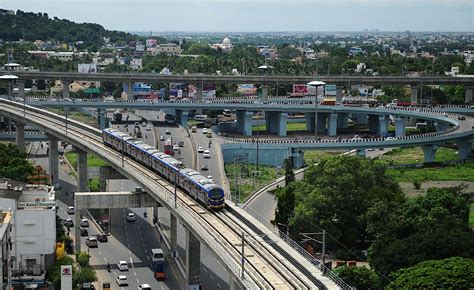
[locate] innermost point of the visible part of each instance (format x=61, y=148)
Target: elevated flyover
x=270, y=264
x=242, y=79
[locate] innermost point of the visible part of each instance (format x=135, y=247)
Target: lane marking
x=205, y=270
x=219, y=285
x=134, y=273
x=105, y=259
x=211, y=277
x=131, y=262
x=99, y=253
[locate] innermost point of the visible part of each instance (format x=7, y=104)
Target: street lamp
x=316, y=84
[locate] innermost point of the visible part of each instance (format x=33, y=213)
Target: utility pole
x=307, y=237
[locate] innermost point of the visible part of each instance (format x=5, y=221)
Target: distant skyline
x=260, y=15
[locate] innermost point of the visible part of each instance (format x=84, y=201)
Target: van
x=200, y=117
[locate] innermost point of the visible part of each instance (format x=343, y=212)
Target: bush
x=417, y=184
x=82, y=259
x=359, y=277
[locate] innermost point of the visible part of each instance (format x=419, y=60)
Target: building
x=226, y=45
x=6, y=259
x=33, y=210
x=61, y=55
x=151, y=42
x=170, y=49
x=355, y=51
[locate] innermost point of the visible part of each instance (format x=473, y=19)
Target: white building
x=226, y=45
x=169, y=49
x=33, y=209
x=5, y=254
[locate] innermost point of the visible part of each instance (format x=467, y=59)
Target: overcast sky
x=260, y=15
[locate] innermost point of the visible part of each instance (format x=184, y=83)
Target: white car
x=162, y=138
x=210, y=178
x=204, y=131
x=390, y=138
x=122, y=280
x=200, y=149
x=144, y=287
x=175, y=147
x=206, y=154
x=84, y=223
x=131, y=217
x=70, y=210
x=122, y=266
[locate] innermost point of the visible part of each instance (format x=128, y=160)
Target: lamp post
x=316, y=84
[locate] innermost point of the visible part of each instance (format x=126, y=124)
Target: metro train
x=192, y=182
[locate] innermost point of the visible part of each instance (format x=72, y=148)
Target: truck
x=158, y=264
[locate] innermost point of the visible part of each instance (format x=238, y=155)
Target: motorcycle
x=108, y=267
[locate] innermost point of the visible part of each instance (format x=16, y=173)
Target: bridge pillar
x=81, y=170
x=182, y=118
x=362, y=119
x=53, y=159
x=339, y=94
x=429, y=151
x=173, y=235
x=199, y=90
x=342, y=120
x=414, y=94
x=271, y=121
x=193, y=261
x=244, y=122
x=101, y=120
x=332, y=124
x=400, y=126
x=265, y=92
x=297, y=157
x=373, y=124
x=469, y=94
x=441, y=126
x=20, y=136
x=21, y=88
x=464, y=149
x=383, y=126
x=309, y=121
x=322, y=118
x=77, y=227
x=66, y=92
x=281, y=122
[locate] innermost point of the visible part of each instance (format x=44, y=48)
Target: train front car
x=216, y=197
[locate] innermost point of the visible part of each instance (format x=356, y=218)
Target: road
x=213, y=275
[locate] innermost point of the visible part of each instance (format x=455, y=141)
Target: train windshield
x=216, y=193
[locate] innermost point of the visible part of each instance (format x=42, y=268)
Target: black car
x=102, y=238
x=84, y=232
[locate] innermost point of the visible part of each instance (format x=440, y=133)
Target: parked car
x=122, y=280
x=91, y=242
x=84, y=232
x=122, y=266
x=131, y=217
x=102, y=238
x=70, y=210
x=200, y=149
x=68, y=222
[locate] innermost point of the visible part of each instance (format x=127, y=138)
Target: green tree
x=53, y=273
x=82, y=259
x=13, y=163
x=289, y=173
x=84, y=275
x=286, y=204
x=336, y=194
x=451, y=273
x=362, y=278
x=428, y=227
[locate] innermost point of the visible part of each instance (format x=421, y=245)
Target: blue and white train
x=199, y=187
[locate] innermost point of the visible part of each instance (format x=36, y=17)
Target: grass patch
x=471, y=216
x=461, y=172
x=300, y=126
x=415, y=155
x=77, y=116
x=92, y=160
x=247, y=184
x=314, y=156
x=94, y=184
x=192, y=122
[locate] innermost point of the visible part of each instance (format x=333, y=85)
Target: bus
x=168, y=147
x=200, y=117
x=158, y=264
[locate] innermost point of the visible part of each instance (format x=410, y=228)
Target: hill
x=32, y=26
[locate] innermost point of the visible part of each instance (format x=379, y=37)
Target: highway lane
x=213, y=275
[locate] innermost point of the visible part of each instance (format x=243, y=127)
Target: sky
x=260, y=15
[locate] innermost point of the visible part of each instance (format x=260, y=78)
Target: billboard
x=87, y=68
x=66, y=277
x=303, y=90
x=247, y=89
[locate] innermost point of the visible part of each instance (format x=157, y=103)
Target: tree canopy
x=335, y=195
x=362, y=278
x=428, y=227
x=13, y=163
x=451, y=273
